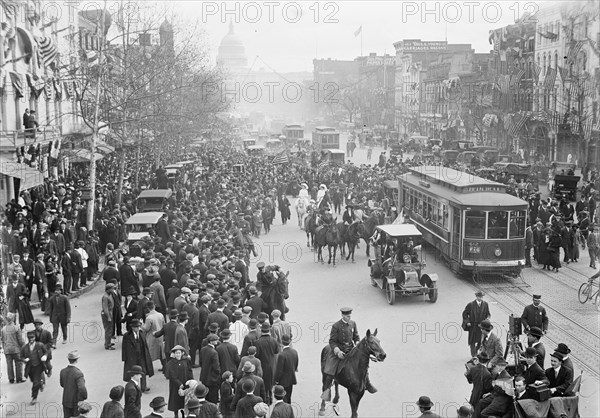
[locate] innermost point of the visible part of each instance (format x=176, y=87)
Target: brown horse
x=329, y=235
x=310, y=225
x=351, y=371
x=351, y=235
x=375, y=219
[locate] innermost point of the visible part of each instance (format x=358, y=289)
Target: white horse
x=301, y=209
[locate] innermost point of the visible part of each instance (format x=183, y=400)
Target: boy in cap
x=34, y=355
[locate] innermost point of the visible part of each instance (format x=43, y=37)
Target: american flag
x=516, y=78
x=563, y=73
x=504, y=83
x=536, y=71
x=596, y=127
x=540, y=116
x=281, y=158
x=518, y=122
x=550, y=78
x=324, y=163
x=554, y=120
x=574, y=51
x=587, y=128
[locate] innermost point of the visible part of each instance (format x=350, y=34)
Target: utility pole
x=100, y=69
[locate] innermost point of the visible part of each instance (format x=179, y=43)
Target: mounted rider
x=348, y=216
x=325, y=217
x=321, y=194
x=303, y=194
x=342, y=339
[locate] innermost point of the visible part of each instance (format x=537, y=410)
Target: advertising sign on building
x=373, y=61
x=416, y=45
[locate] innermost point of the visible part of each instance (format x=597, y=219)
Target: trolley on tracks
x=476, y=226
x=398, y=264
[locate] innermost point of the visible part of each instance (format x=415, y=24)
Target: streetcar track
x=582, y=363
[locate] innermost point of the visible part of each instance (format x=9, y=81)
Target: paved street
x=425, y=345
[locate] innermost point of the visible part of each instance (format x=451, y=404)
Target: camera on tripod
x=514, y=348
x=515, y=327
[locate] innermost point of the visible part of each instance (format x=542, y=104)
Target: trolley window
x=475, y=224
x=517, y=224
x=497, y=225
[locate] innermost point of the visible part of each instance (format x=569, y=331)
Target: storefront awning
x=81, y=155
x=30, y=177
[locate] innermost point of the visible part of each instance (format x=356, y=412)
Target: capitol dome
x=232, y=53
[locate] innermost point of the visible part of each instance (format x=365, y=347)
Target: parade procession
x=198, y=221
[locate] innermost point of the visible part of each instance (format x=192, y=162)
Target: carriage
x=398, y=267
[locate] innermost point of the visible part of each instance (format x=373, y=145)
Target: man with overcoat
x=210, y=371
x=286, y=368
x=267, y=349
x=534, y=315
x=134, y=352
x=475, y=312
x=73, y=383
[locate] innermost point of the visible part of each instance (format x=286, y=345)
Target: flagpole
x=361, y=41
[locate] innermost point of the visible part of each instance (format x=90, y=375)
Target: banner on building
x=416, y=45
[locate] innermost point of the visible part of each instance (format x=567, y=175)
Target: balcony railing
x=15, y=139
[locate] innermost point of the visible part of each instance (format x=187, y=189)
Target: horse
x=310, y=225
x=351, y=372
x=329, y=235
x=276, y=293
x=376, y=218
x=351, y=236
x=301, y=206
x=337, y=196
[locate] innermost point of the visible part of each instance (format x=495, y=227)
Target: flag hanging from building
x=17, y=83
x=574, y=51
x=562, y=71
x=550, y=78
x=536, y=71
x=324, y=163
x=504, y=83
x=281, y=158
x=358, y=31
x=518, y=121
x=515, y=79
x=48, y=50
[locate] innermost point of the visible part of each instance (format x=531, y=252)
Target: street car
x=398, y=265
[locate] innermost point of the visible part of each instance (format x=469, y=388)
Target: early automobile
x=398, y=264
x=153, y=200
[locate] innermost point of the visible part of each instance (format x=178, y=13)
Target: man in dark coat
x=134, y=352
x=65, y=265
x=133, y=393
x=479, y=376
x=475, y=312
x=45, y=337
x=534, y=315
x=162, y=229
x=560, y=377
x=210, y=372
x=34, y=355
x=73, y=384
x=168, y=332
x=129, y=279
x=533, y=340
x=255, y=302
x=286, y=368
x=59, y=309
x=111, y=272
x=245, y=407
x=218, y=317
x=229, y=358
x=76, y=269
x=533, y=372
x=267, y=349
x=281, y=407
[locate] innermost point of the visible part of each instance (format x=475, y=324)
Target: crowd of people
x=183, y=296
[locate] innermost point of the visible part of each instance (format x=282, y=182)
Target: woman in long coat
x=178, y=372
x=544, y=254
x=554, y=249
x=154, y=323
x=284, y=208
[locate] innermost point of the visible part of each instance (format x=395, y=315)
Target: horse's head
x=358, y=229
x=282, y=284
x=376, y=353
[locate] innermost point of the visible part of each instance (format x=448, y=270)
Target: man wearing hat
x=479, y=376
x=464, y=411
x=281, y=408
x=142, y=310
x=134, y=352
x=168, y=332
x=267, y=349
x=59, y=309
x=83, y=409
x=255, y=302
x=533, y=340
x=129, y=278
x=210, y=372
x=238, y=329
x=111, y=272
x=73, y=384
x=218, y=317
x=34, y=355
x=158, y=406
x=534, y=315
x=475, y=312
x=107, y=314
x=229, y=356
x=425, y=406
x=342, y=338
x=182, y=299
x=199, y=406
x=560, y=377
x=565, y=351
x=245, y=406
x=348, y=215
x=490, y=343
x=133, y=392
x=45, y=337
x=533, y=372
x=286, y=368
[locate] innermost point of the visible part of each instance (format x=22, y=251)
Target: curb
x=80, y=292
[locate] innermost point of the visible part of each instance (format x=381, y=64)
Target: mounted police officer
x=342, y=339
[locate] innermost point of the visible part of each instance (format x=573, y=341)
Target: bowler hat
x=479, y=293
x=530, y=352
x=220, y=303
x=558, y=355
x=214, y=327
x=173, y=313
x=38, y=321
x=201, y=391
x=248, y=367
x=285, y=339
x=226, y=333
x=265, y=328
x=116, y=393
x=563, y=348
x=279, y=391
x=157, y=402
x=486, y=325
x=425, y=402
x=135, y=323
x=248, y=386
x=212, y=337
x=536, y=332
x=183, y=316
x=252, y=323
x=238, y=313
x=194, y=403
x=136, y=370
